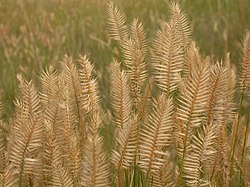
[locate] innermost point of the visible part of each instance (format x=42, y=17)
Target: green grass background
x=35, y=33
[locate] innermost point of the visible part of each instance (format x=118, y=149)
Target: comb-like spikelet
x=69, y=145
x=145, y=101
x=120, y=93
x=26, y=138
x=50, y=98
x=1, y=107
x=49, y=80
x=134, y=51
x=167, y=58
x=75, y=99
x=229, y=104
x=124, y=157
x=192, y=59
x=61, y=177
x=71, y=77
x=139, y=36
x=156, y=135
x=89, y=86
x=201, y=149
x=51, y=153
x=220, y=112
x=90, y=97
x=10, y=176
x=164, y=177
x=245, y=72
x=220, y=171
x=116, y=20
x=182, y=24
x=221, y=167
x=217, y=94
x=95, y=168
x=55, y=143
x=192, y=105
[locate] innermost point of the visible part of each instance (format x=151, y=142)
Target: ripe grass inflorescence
x=173, y=117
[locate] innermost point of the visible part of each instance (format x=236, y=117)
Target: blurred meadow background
x=36, y=33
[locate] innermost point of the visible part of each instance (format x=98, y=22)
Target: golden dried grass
x=174, y=113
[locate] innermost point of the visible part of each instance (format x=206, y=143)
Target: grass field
x=174, y=112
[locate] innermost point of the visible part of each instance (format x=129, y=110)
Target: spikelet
x=52, y=155
x=145, y=101
x=220, y=170
x=167, y=57
x=165, y=176
x=69, y=145
x=71, y=78
x=134, y=51
x=139, y=36
x=95, y=170
x=26, y=137
x=61, y=177
x=192, y=59
x=120, y=93
x=219, y=103
x=201, y=149
x=192, y=105
x=116, y=20
x=90, y=93
x=245, y=72
x=51, y=98
x=230, y=87
x=49, y=79
x=156, y=135
x=182, y=24
x=10, y=176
